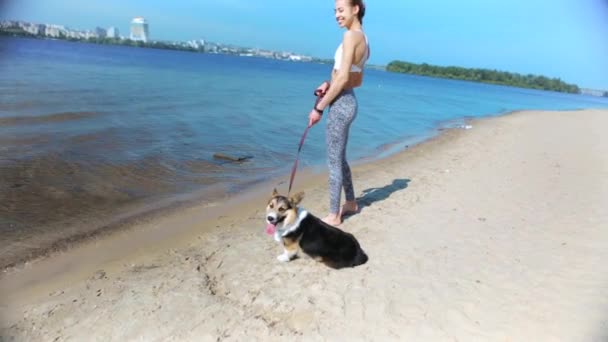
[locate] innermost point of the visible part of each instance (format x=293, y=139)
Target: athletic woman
x=347, y=74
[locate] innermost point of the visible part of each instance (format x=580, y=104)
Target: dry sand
x=495, y=233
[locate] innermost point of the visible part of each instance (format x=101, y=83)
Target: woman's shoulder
x=353, y=36
x=354, y=33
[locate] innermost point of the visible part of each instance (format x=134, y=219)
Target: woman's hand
x=313, y=118
x=322, y=89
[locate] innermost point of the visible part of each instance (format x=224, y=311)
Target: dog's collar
x=286, y=230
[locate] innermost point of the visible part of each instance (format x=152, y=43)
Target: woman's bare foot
x=333, y=219
x=349, y=208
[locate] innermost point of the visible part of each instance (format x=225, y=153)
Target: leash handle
x=295, y=164
x=319, y=96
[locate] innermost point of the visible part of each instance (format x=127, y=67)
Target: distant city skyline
x=560, y=38
x=139, y=34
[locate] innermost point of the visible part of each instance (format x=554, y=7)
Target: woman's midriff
x=355, y=79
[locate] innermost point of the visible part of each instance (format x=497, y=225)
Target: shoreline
x=158, y=45
x=474, y=234
x=152, y=228
x=137, y=225
x=170, y=207
x=147, y=212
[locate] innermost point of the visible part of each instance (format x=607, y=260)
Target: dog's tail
x=361, y=258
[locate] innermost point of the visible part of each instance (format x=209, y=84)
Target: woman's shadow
x=373, y=195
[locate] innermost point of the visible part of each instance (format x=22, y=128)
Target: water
x=89, y=132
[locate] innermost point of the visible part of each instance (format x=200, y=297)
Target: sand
x=494, y=233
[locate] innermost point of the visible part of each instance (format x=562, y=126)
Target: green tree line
x=485, y=76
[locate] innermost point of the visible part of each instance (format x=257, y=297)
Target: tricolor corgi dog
x=298, y=230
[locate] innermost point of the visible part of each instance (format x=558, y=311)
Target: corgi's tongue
x=270, y=229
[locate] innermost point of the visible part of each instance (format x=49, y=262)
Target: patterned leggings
x=342, y=113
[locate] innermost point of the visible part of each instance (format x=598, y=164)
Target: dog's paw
x=283, y=257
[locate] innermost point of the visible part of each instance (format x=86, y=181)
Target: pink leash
x=295, y=164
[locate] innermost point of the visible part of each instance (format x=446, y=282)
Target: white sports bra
x=354, y=67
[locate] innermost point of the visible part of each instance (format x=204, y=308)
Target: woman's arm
x=341, y=78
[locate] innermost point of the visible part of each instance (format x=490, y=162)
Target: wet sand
x=491, y=233
x=59, y=190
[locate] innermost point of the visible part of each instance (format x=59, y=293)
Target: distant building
x=90, y=35
x=266, y=54
x=112, y=32
x=211, y=48
x=74, y=34
x=55, y=31
x=139, y=29
x=8, y=24
x=594, y=92
x=34, y=29
x=101, y=32
x=196, y=44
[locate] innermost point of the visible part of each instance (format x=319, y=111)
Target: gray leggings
x=342, y=113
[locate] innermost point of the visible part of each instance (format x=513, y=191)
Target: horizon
x=567, y=40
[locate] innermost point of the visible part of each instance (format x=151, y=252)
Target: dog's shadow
x=373, y=195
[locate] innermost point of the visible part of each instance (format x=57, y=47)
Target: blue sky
x=557, y=38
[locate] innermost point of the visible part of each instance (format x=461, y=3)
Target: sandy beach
x=493, y=233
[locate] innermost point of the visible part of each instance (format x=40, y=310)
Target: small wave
x=20, y=105
x=48, y=118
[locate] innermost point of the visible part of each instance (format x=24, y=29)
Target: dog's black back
x=335, y=248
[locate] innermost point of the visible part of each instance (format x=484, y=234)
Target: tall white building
x=112, y=32
x=139, y=29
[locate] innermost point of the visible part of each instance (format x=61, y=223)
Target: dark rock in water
x=222, y=156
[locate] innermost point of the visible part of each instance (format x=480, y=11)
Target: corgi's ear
x=275, y=192
x=297, y=198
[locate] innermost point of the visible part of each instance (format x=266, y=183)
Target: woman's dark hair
x=361, y=5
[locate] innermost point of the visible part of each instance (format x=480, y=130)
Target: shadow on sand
x=373, y=195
